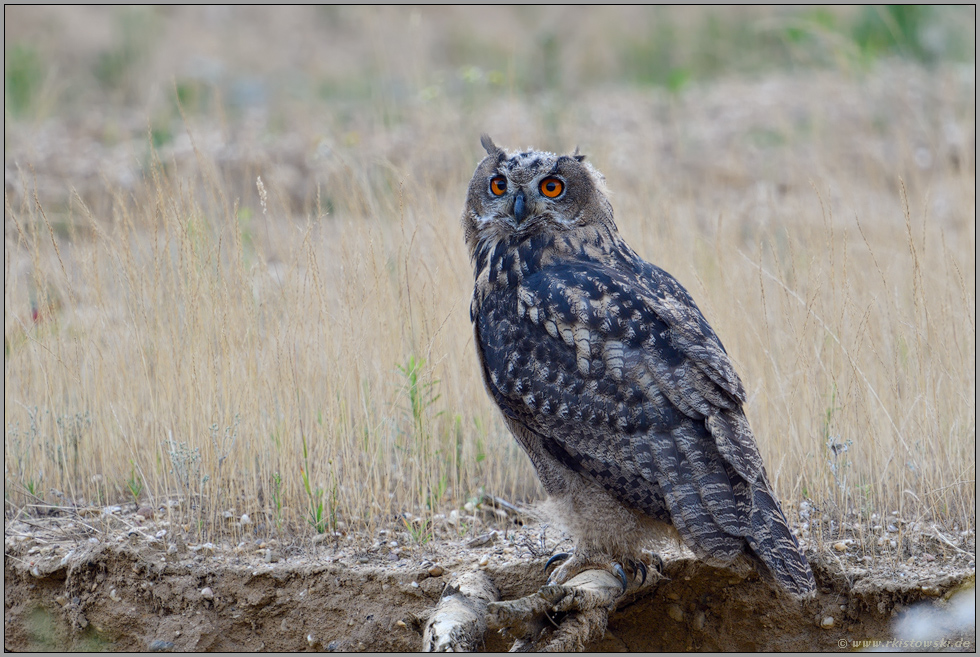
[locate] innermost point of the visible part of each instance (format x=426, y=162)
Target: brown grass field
x=234, y=274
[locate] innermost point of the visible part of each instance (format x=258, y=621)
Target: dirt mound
x=142, y=587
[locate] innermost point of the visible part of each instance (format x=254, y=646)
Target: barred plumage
x=610, y=377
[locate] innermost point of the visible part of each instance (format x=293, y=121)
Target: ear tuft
x=579, y=157
x=488, y=145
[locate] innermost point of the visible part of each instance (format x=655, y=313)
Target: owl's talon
x=555, y=558
x=642, y=569
x=618, y=568
x=658, y=564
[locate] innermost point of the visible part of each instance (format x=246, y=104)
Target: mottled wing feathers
x=774, y=544
x=690, y=331
x=619, y=318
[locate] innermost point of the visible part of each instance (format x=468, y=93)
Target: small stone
x=480, y=541
x=62, y=600
x=436, y=571
x=311, y=640
x=401, y=624
x=484, y=561
x=161, y=646
x=675, y=612
x=892, y=529
x=827, y=622
x=928, y=557
x=146, y=512
x=698, y=622
x=245, y=520
x=207, y=593
x=414, y=585
x=840, y=546
x=114, y=596
x=363, y=560
x=271, y=556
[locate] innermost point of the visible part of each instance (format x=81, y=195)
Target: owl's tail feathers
x=774, y=545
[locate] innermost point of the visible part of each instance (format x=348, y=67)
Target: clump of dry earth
x=129, y=579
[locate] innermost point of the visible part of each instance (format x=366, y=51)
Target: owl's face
x=525, y=194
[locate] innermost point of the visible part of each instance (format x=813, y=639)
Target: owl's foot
x=571, y=610
x=574, y=565
x=560, y=617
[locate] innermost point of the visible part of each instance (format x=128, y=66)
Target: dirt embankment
x=144, y=588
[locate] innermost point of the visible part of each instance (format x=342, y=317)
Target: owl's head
x=521, y=195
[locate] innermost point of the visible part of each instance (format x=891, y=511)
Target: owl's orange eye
x=498, y=186
x=552, y=187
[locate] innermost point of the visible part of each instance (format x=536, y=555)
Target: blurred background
x=88, y=89
x=234, y=274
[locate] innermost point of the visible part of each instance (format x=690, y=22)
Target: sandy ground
x=111, y=579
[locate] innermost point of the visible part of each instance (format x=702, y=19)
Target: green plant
x=421, y=393
x=22, y=78
x=115, y=66
x=419, y=531
x=320, y=517
x=134, y=484
x=34, y=487
x=898, y=29
x=277, y=499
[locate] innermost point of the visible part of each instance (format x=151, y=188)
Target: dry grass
x=285, y=332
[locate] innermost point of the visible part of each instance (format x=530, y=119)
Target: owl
x=612, y=381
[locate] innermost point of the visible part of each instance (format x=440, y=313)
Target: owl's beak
x=520, y=207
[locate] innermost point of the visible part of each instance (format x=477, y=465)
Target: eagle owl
x=611, y=379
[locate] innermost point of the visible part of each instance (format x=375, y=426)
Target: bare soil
x=109, y=579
